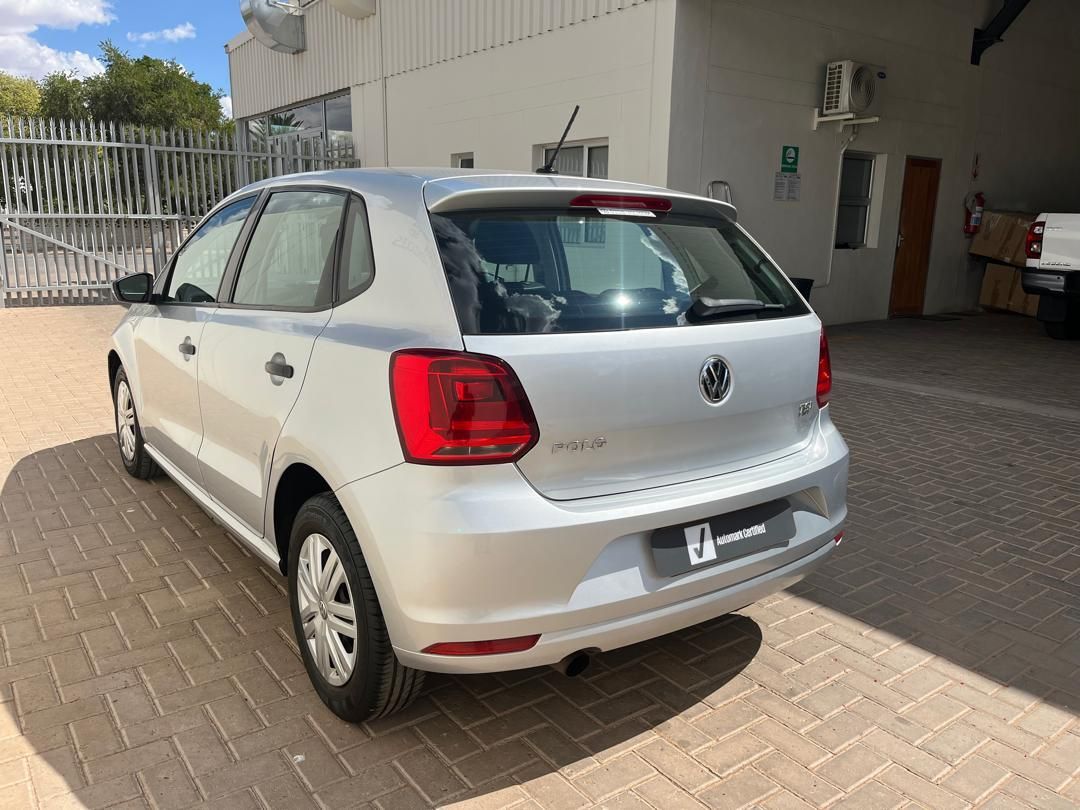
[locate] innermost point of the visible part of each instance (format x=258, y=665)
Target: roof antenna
x=549, y=167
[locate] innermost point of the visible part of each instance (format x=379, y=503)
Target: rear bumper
x=1051, y=282
x=475, y=553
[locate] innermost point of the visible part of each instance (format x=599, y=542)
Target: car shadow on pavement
x=141, y=640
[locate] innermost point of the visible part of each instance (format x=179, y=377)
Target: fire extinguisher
x=973, y=212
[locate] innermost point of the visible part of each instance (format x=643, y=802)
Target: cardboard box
x=1020, y=302
x=1001, y=236
x=1003, y=290
x=998, y=285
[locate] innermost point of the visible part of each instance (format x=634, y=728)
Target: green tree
x=149, y=91
x=18, y=96
x=62, y=97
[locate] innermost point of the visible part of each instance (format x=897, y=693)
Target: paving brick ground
x=146, y=659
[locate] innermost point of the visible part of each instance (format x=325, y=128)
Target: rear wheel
x=128, y=432
x=337, y=620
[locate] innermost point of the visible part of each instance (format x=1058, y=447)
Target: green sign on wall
x=789, y=159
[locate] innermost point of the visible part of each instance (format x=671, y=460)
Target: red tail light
x=824, y=373
x=458, y=408
x=626, y=201
x=1034, y=239
x=493, y=647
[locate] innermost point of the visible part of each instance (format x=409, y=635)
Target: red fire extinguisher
x=973, y=212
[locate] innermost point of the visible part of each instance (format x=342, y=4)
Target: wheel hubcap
x=125, y=421
x=326, y=607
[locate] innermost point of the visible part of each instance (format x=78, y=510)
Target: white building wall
x=748, y=75
x=343, y=52
x=500, y=103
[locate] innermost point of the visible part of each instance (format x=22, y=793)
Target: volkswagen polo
x=484, y=422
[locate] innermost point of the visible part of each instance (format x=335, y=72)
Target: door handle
x=277, y=367
x=899, y=240
x=187, y=348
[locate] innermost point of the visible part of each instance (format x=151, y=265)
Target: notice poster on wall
x=787, y=187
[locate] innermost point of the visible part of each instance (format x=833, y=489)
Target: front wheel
x=337, y=620
x=128, y=432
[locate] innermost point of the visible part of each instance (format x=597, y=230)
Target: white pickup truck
x=1052, y=271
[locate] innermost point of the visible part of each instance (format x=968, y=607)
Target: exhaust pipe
x=574, y=664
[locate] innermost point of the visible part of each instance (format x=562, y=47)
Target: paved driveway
x=147, y=659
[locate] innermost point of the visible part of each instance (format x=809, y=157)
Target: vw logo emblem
x=715, y=380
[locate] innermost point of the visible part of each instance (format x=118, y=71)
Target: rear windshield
x=524, y=272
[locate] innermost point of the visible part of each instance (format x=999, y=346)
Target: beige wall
x=500, y=103
x=749, y=75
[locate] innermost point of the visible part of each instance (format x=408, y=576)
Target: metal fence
x=83, y=203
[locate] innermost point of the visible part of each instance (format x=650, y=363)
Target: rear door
x=256, y=347
x=653, y=349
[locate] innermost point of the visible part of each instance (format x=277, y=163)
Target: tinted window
x=290, y=259
x=200, y=264
x=561, y=271
x=357, y=263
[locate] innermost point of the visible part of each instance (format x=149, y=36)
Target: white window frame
x=458, y=157
x=867, y=202
x=540, y=151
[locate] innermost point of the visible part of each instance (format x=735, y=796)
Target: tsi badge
x=579, y=445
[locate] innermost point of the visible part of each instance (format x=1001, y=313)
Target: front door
x=257, y=345
x=921, y=176
x=168, y=340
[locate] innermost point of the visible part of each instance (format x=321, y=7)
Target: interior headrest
x=505, y=241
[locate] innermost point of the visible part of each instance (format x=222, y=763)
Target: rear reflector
x=1034, y=239
x=493, y=647
x=624, y=201
x=824, y=373
x=459, y=408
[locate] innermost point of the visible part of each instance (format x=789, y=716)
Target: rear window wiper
x=709, y=308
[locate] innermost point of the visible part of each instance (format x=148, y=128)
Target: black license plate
x=678, y=549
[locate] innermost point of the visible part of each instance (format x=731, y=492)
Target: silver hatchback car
x=484, y=421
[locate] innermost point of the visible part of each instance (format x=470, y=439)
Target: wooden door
x=921, y=177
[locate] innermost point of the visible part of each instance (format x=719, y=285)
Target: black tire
x=139, y=464
x=1058, y=330
x=378, y=684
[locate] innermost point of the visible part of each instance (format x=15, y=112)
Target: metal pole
x=153, y=202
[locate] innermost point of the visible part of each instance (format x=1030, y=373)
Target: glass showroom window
x=328, y=119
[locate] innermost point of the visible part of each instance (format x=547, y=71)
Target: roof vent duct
x=277, y=25
x=357, y=9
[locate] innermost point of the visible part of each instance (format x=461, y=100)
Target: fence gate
x=83, y=203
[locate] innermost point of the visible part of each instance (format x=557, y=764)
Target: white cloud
x=226, y=106
x=175, y=34
x=23, y=16
x=23, y=55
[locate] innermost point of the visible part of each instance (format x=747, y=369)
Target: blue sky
x=40, y=36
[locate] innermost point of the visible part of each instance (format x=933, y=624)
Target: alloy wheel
x=125, y=420
x=327, y=612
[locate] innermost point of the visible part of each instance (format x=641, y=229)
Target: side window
x=290, y=257
x=200, y=264
x=357, y=262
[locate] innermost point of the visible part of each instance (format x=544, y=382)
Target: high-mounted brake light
x=1033, y=241
x=824, y=373
x=493, y=647
x=459, y=408
x=621, y=201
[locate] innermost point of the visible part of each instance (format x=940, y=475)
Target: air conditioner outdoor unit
x=852, y=87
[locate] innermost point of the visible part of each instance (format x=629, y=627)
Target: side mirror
x=133, y=289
